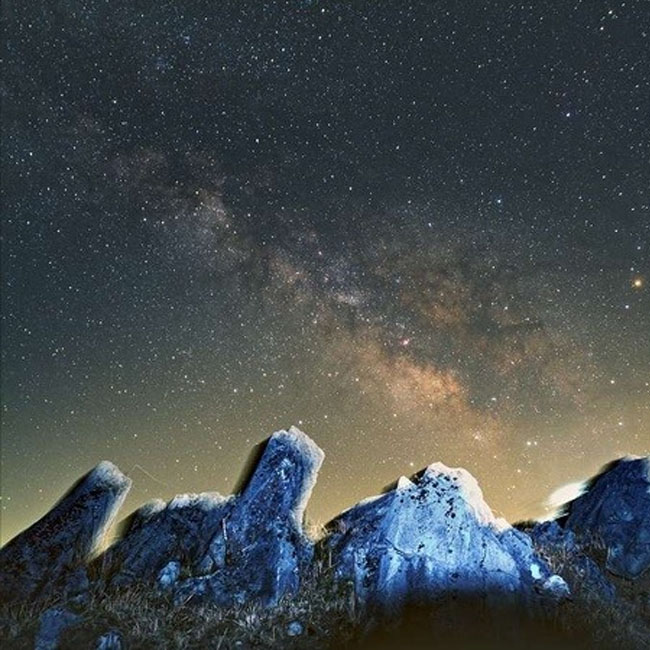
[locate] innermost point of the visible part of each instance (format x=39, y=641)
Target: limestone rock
x=431, y=536
x=580, y=571
x=51, y=555
x=52, y=623
x=260, y=551
x=169, y=575
x=616, y=509
x=109, y=641
x=158, y=534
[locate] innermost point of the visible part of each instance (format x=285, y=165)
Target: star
x=217, y=234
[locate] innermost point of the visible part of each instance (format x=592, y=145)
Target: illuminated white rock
x=261, y=551
x=433, y=536
x=159, y=534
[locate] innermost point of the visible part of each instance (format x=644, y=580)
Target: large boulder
x=615, y=509
x=49, y=558
x=434, y=536
x=159, y=533
x=261, y=551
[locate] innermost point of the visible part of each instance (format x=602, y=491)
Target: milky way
x=419, y=231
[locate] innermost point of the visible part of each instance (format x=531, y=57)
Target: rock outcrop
x=50, y=556
x=430, y=536
x=52, y=624
x=260, y=551
x=579, y=570
x=159, y=534
x=434, y=535
x=615, y=509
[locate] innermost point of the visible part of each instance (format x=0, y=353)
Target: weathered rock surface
x=430, y=536
x=616, y=509
x=580, y=571
x=159, y=534
x=110, y=641
x=52, y=624
x=50, y=556
x=260, y=551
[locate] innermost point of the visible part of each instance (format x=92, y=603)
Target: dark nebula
x=419, y=231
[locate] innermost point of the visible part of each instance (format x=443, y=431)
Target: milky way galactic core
x=418, y=231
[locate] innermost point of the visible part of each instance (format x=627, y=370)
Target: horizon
x=549, y=509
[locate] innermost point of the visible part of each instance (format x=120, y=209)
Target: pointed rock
x=432, y=536
x=40, y=560
x=260, y=550
x=616, y=509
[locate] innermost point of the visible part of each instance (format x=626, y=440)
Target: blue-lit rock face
x=433, y=536
x=52, y=624
x=616, y=509
x=260, y=551
x=50, y=557
x=551, y=538
x=430, y=536
x=159, y=533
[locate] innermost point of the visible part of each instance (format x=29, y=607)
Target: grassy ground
x=328, y=618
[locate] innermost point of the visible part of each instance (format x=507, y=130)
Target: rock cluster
x=429, y=536
x=227, y=550
x=583, y=573
x=260, y=549
x=161, y=533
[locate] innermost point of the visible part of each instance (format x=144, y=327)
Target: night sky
x=420, y=231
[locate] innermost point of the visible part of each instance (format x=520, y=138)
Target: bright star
x=638, y=282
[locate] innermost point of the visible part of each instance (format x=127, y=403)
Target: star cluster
x=419, y=231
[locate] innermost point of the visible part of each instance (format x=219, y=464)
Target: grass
x=329, y=618
x=622, y=624
x=145, y=618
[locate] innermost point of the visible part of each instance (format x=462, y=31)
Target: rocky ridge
x=431, y=535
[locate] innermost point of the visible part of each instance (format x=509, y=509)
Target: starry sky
x=420, y=231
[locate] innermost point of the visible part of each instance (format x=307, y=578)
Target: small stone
x=109, y=641
x=169, y=575
x=557, y=587
x=295, y=628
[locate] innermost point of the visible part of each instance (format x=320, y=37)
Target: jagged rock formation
x=616, y=509
x=430, y=536
x=158, y=534
x=260, y=551
x=50, y=556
